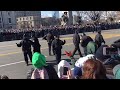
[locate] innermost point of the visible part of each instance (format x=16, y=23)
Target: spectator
x=91, y=47
x=61, y=71
x=94, y=69
x=116, y=71
x=4, y=77
x=84, y=41
x=42, y=70
x=80, y=63
x=99, y=53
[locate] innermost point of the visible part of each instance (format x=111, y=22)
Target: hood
x=61, y=65
x=80, y=62
x=116, y=71
x=38, y=60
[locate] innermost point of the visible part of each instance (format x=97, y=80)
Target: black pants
x=49, y=48
x=26, y=54
x=77, y=48
x=58, y=55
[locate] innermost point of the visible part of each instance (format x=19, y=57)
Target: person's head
x=99, y=32
x=4, y=77
x=57, y=36
x=116, y=71
x=63, y=64
x=38, y=60
x=94, y=69
x=76, y=32
x=65, y=13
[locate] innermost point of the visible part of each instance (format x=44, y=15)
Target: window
x=9, y=20
x=23, y=19
x=20, y=19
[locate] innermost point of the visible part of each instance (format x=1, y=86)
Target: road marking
x=11, y=64
x=9, y=54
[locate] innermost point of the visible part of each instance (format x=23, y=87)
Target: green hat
x=116, y=71
x=38, y=60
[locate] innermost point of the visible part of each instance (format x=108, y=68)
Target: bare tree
x=94, y=15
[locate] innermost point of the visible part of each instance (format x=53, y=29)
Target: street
x=12, y=62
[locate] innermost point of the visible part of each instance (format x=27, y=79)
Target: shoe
x=27, y=64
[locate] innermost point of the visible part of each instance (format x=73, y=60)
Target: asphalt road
x=11, y=58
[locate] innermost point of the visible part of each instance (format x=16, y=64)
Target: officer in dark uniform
x=99, y=39
x=26, y=48
x=57, y=44
x=36, y=45
x=50, y=38
x=76, y=41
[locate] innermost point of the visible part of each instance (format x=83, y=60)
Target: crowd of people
x=90, y=65
x=16, y=34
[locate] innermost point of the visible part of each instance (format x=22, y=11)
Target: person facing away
x=26, y=48
x=76, y=42
x=36, y=45
x=57, y=45
x=99, y=39
x=41, y=70
x=50, y=38
x=84, y=42
x=94, y=69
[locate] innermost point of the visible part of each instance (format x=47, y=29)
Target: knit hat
x=38, y=60
x=116, y=71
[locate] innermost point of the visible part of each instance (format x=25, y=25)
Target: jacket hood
x=61, y=65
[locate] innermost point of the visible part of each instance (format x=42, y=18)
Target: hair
x=94, y=69
x=4, y=77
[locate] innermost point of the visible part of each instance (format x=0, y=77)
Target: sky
x=50, y=13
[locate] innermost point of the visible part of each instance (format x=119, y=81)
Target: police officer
x=99, y=39
x=76, y=41
x=50, y=38
x=36, y=45
x=26, y=48
x=57, y=44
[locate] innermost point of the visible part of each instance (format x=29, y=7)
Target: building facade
x=27, y=13
x=28, y=22
x=7, y=20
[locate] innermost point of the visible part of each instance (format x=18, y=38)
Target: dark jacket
x=49, y=38
x=57, y=44
x=26, y=44
x=36, y=45
x=99, y=53
x=76, y=39
x=50, y=70
x=99, y=39
x=116, y=44
x=85, y=40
